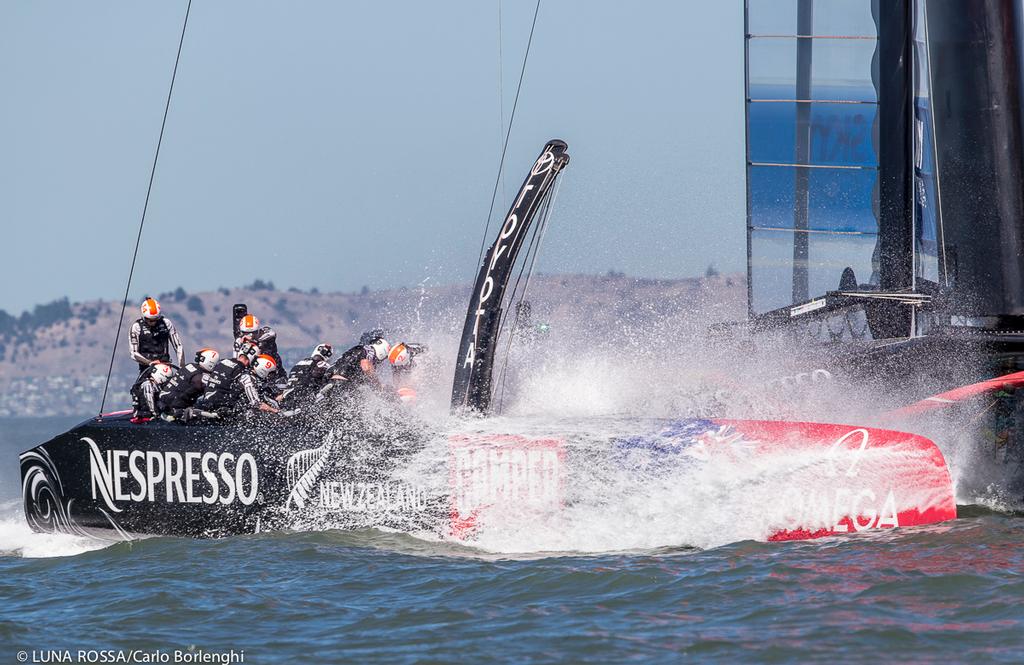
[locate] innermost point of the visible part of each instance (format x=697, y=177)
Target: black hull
x=110, y=478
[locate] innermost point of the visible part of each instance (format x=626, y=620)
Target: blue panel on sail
x=839, y=200
x=840, y=133
x=926, y=197
x=812, y=175
x=927, y=240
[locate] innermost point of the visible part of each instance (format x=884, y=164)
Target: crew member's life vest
x=348, y=365
x=223, y=387
x=306, y=378
x=184, y=388
x=153, y=340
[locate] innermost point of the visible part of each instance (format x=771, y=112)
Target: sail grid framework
x=827, y=209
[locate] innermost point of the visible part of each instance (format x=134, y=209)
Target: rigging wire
x=145, y=207
x=531, y=258
x=501, y=104
x=508, y=133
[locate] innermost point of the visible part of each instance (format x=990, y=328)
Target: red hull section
x=492, y=471
x=845, y=479
x=797, y=480
x=961, y=394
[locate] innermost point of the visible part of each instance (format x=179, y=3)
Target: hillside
x=53, y=360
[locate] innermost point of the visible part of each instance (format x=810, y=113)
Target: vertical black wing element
x=475, y=363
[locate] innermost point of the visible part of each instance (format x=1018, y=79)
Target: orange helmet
x=150, y=308
x=399, y=355
x=263, y=366
x=249, y=324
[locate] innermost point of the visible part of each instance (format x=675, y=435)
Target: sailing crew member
x=185, y=387
x=146, y=389
x=264, y=337
x=307, y=377
x=358, y=365
x=230, y=382
x=150, y=335
x=402, y=358
x=263, y=370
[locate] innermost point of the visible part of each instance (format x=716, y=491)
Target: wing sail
x=475, y=364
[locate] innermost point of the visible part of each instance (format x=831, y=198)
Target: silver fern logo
x=304, y=468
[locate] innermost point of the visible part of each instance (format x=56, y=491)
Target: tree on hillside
x=195, y=304
x=46, y=315
x=7, y=323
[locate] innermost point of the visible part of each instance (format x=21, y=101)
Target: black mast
x=975, y=58
x=893, y=76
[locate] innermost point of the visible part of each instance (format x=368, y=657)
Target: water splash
x=18, y=540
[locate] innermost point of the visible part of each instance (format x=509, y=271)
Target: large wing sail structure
x=863, y=196
x=484, y=321
x=840, y=158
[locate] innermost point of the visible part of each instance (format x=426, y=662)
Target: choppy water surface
x=947, y=592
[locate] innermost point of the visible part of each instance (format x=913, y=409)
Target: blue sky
x=337, y=144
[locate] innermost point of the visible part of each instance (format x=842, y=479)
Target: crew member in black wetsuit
x=264, y=337
x=150, y=336
x=230, y=389
x=358, y=365
x=146, y=389
x=402, y=358
x=185, y=387
x=263, y=370
x=307, y=377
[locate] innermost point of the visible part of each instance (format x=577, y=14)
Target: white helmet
x=207, y=358
x=381, y=348
x=249, y=324
x=161, y=373
x=263, y=366
x=150, y=309
x=325, y=351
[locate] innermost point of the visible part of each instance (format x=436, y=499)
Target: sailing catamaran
x=853, y=245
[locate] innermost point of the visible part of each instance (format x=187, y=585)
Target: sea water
x=621, y=589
